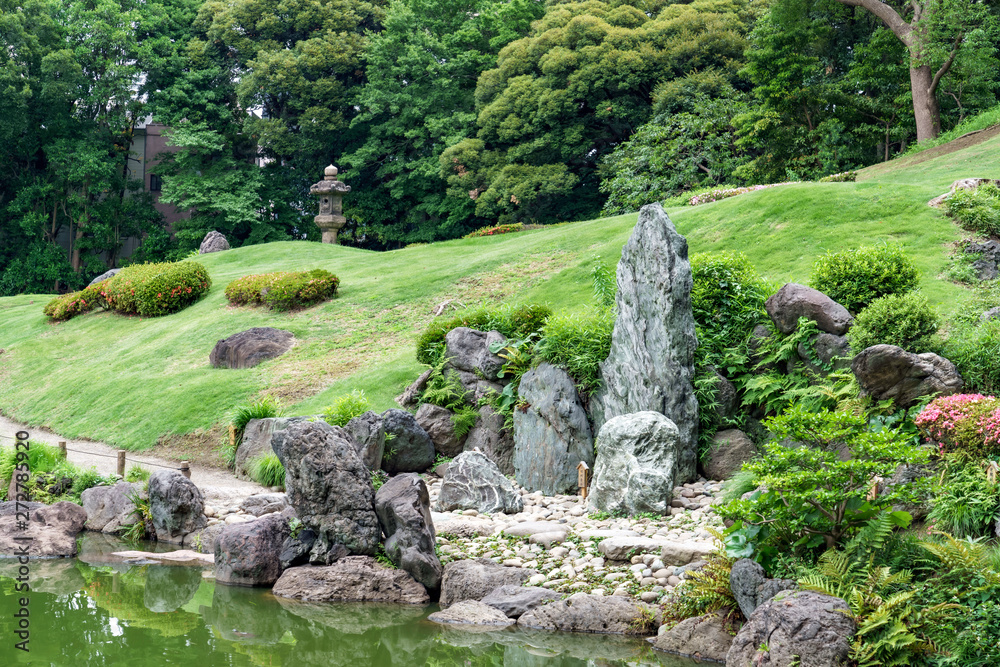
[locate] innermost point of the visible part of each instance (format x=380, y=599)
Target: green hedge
x=155, y=289
x=512, y=321
x=283, y=290
x=76, y=303
x=855, y=278
x=905, y=320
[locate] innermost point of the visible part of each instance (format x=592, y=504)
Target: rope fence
x=185, y=466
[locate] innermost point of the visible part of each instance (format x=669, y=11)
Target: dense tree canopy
x=446, y=115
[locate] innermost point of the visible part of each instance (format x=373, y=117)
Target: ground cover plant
x=283, y=290
x=976, y=210
x=52, y=478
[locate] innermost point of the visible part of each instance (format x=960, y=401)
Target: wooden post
x=232, y=436
x=121, y=463
x=583, y=478
x=62, y=449
x=186, y=469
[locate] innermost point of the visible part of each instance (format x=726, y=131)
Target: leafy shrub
x=76, y=303
x=579, y=342
x=141, y=516
x=976, y=210
x=727, y=298
x=266, y=470
x=808, y=497
x=967, y=503
x=855, y=278
x=346, y=407
x=283, y=290
x=605, y=285
x=716, y=195
x=968, y=424
x=136, y=473
x=975, y=351
x=905, y=320
x=151, y=290
x=513, y=321
x=48, y=468
x=842, y=177
x=495, y=229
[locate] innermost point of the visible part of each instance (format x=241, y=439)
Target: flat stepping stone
x=471, y=612
x=605, y=533
x=181, y=557
x=623, y=548
x=548, y=539
x=529, y=528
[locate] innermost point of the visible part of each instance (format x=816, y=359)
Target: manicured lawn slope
x=131, y=381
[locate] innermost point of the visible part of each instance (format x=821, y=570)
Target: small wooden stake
x=186, y=469
x=232, y=436
x=62, y=449
x=583, y=478
x=121, y=463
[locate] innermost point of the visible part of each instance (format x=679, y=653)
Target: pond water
x=91, y=610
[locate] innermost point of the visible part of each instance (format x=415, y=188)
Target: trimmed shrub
x=842, y=177
x=976, y=210
x=513, y=321
x=727, y=298
x=151, y=290
x=855, y=278
x=905, y=320
x=975, y=351
x=964, y=423
x=346, y=407
x=726, y=193
x=76, y=303
x=283, y=290
x=495, y=229
x=578, y=341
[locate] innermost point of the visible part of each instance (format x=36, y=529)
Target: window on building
x=155, y=183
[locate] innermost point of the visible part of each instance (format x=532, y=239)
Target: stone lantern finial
x=331, y=193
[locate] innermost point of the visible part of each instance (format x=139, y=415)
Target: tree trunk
x=926, y=109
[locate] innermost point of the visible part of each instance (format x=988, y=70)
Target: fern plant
x=706, y=591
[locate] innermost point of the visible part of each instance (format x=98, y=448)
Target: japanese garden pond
x=96, y=610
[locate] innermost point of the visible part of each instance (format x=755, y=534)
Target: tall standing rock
x=176, y=506
x=330, y=489
x=551, y=434
x=403, y=508
x=651, y=365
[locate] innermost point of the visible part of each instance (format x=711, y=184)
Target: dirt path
x=217, y=485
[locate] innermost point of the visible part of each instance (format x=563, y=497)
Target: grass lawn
x=134, y=382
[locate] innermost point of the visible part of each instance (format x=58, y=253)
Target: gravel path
x=217, y=485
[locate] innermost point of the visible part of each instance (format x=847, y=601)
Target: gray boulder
x=651, y=365
x=701, y=637
x=887, y=371
x=213, y=242
x=295, y=550
x=403, y=509
x=351, y=579
x=793, y=301
x=469, y=350
x=475, y=579
x=592, y=613
x=330, y=489
x=491, y=438
x=257, y=440
x=260, y=504
x=246, y=554
x=175, y=505
x=729, y=450
x=470, y=612
x=514, y=601
x=203, y=540
x=437, y=422
x=52, y=531
x=552, y=434
x=104, y=276
x=991, y=314
x=831, y=351
x=472, y=481
x=409, y=449
x=804, y=628
x=248, y=348
x=368, y=435
x=637, y=464
x=109, y=508
x=745, y=577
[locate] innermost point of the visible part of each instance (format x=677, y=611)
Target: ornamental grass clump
x=283, y=290
x=967, y=424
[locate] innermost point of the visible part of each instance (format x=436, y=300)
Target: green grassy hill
x=137, y=382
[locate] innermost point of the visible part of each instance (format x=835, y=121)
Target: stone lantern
x=331, y=194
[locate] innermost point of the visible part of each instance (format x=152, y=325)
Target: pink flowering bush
x=716, y=195
x=966, y=423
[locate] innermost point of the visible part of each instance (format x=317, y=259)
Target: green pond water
x=92, y=610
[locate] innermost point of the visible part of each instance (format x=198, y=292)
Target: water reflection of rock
x=243, y=614
x=355, y=618
x=169, y=588
x=58, y=576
